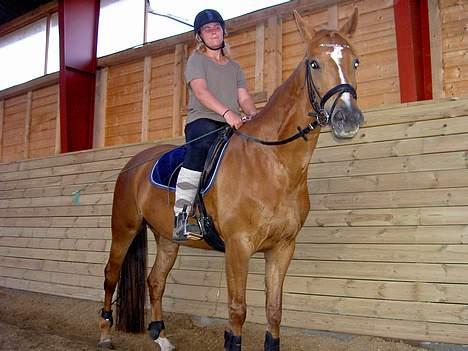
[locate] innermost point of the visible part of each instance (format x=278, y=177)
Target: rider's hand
x=233, y=119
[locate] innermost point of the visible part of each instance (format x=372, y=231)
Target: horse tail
x=131, y=292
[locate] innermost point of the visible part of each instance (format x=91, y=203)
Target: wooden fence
x=383, y=252
x=140, y=93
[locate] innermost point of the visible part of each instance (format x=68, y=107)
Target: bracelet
x=224, y=114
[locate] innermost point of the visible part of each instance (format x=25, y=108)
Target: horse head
x=331, y=64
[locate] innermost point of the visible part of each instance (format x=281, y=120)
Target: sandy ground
x=32, y=321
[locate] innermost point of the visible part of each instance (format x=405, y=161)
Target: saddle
x=164, y=175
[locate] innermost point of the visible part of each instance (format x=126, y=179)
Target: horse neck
x=285, y=111
x=287, y=106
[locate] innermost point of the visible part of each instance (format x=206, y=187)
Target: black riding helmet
x=207, y=16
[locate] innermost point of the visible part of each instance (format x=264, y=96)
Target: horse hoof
x=106, y=344
x=164, y=344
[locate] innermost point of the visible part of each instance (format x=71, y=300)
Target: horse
x=259, y=200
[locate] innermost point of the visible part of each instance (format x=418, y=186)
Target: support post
x=414, y=57
x=78, y=26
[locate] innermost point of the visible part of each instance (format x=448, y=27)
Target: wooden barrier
x=383, y=251
x=141, y=94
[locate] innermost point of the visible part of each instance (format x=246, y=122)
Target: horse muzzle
x=345, y=121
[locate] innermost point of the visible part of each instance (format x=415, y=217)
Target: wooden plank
x=333, y=17
x=53, y=288
x=391, y=199
x=388, y=217
x=178, y=86
x=273, y=47
x=56, y=243
x=443, y=235
x=27, y=126
x=55, y=201
x=75, y=280
x=146, y=98
x=401, y=147
x=427, y=253
x=259, y=57
x=403, y=164
x=66, y=210
x=80, y=221
x=398, y=181
x=56, y=255
x=100, y=107
x=435, y=35
x=2, y=116
x=110, y=164
x=62, y=233
x=92, y=188
x=93, y=269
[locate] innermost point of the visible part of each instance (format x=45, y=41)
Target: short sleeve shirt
x=222, y=81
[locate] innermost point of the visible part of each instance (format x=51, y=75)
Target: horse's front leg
x=238, y=253
x=277, y=262
x=165, y=258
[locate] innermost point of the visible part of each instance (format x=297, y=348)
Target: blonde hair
x=201, y=47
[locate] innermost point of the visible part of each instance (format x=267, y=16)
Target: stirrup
x=183, y=230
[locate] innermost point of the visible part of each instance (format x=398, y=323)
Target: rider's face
x=212, y=34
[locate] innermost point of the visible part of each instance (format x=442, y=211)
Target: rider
x=217, y=88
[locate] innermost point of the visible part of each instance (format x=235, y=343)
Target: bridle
x=322, y=117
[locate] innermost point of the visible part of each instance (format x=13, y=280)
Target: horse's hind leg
x=122, y=237
x=165, y=258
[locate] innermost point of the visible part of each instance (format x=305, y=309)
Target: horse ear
x=306, y=31
x=350, y=26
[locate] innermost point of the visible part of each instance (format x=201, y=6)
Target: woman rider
x=217, y=91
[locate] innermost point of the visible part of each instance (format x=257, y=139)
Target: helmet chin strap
x=211, y=48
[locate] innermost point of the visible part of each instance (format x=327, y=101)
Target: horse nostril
x=339, y=116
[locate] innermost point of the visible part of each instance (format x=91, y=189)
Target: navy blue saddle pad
x=164, y=174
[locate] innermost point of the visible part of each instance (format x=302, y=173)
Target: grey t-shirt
x=222, y=80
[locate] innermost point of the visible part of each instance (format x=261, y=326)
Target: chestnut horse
x=259, y=201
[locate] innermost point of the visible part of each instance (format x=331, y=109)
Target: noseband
x=322, y=117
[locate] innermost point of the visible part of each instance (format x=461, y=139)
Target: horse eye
x=356, y=63
x=314, y=64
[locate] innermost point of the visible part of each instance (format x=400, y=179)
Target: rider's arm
x=246, y=102
x=204, y=95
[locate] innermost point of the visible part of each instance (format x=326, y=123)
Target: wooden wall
x=141, y=94
x=454, y=17
x=383, y=251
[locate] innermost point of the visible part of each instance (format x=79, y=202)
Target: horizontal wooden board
x=386, y=182
x=385, y=271
x=452, y=234
x=417, y=163
x=391, y=199
x=414, y=146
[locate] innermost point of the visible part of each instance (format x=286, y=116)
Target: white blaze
x=337, y=56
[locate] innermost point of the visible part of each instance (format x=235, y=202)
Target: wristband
x=224, y=114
